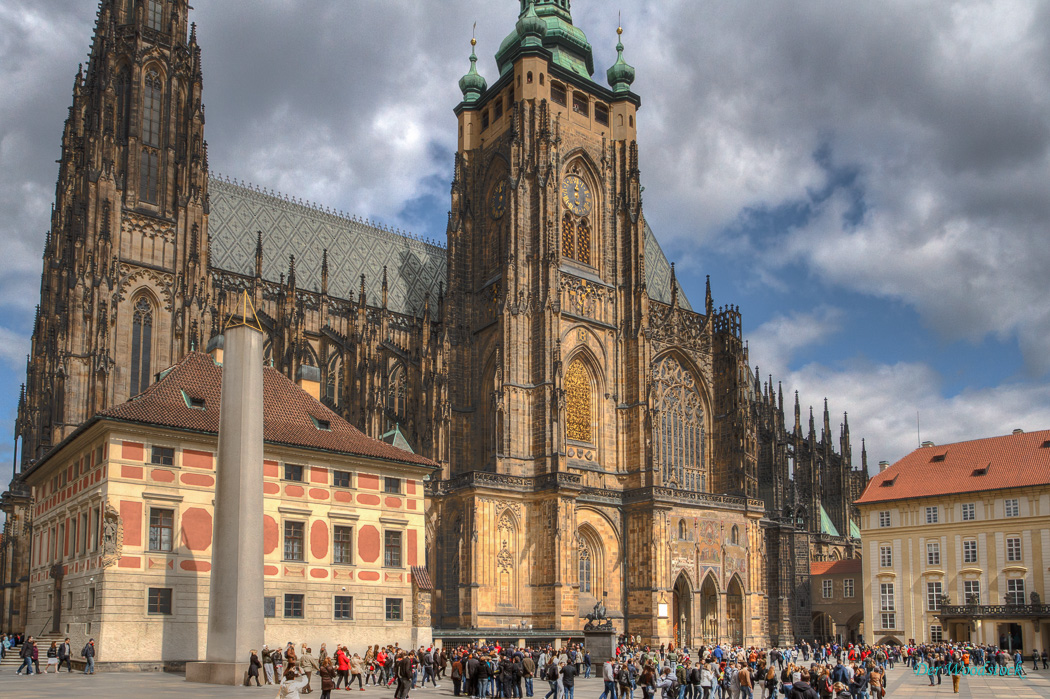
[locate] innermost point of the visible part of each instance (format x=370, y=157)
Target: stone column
x=235, y=614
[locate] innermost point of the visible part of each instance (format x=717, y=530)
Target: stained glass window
x=578, y=403
x=585, y=568
x=141, y=342
x=151, y=99
x=681, y=435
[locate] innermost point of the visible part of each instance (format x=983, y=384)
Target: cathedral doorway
x=682, y=611
x=735, y=611
x=709, y=611
x=824, y=627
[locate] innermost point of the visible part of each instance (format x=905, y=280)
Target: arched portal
x=709, y=611
x=682, y=610
x=823, y=627
x=735, y=612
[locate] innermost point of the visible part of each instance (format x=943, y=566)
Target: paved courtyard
x=168, y=686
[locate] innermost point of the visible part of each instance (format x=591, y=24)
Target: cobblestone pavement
x=152, y=685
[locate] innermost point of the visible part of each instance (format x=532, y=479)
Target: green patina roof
x=568, y=44
x=826, y=525
x=395, y=438
x=854, y=530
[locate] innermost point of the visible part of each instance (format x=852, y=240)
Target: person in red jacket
x=342, y=665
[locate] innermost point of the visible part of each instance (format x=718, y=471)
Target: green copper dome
x=568, y=45
x=472, y=84
x=621, y=75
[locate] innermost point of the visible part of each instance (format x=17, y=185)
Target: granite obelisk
x=235, y=613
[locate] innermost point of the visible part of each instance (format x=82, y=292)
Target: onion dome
x=621, y=75
x=531, y=27
x=472, y=84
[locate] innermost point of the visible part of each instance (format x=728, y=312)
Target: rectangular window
x=392, y=485
x=970, y=551
x=269, y=607
x=293, y=541
x=933, y=596
x=392, y=550
x=969, y=511
x=344, y=608
x=293, y=606
x=972, y=591
x=91, y=598
x=393, y=609
x=84, y=529
x=1013, y=507
x=558, y=94
x=156, y=15
x=847, y=587
x=827, y=588
x=933, y=553
x=69, y=604
x=341, y=479
x=889, y=620
x=931, y=515
x=149, y=166
x=161, y=526
x=580, y=104
x=601, y=114
x=936, y=635
x=293, y=472
x=1013, y=549
x=1015, y=591
x=499, y=109
x=484, y=120
x=159, y=600
x=884, y=518
x=886, y=603
x=162, y=456
x=343, y=545
x=886, y=556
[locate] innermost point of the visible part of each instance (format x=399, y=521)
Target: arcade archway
x=682, y=610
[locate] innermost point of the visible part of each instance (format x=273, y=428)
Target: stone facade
x=579, y=407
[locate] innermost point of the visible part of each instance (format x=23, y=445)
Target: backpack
x=552, y=673
x=695, y=675
x=828, y=688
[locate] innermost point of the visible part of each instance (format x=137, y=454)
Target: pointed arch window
x=576, y=239
x=149, y=163
x=334, y=379
x=586, y=573
x=681, y=440
x=578, y=406
x=397, y=394
x=123, y=93
x=568, y=237
x=141, y=345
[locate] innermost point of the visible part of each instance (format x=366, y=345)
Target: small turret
x=472, y=84
x=531, y=27
x=621, y=75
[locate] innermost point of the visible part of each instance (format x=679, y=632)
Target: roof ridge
x=318, y=208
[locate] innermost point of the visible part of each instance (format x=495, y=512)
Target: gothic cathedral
x=600, y=440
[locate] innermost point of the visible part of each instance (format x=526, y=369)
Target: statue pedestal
x=601, y=644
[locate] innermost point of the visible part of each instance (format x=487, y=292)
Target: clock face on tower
x=498, y=200
x=575, y=195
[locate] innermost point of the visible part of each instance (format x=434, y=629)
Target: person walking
x=528, y=671
x=327, y=674
x=65, y=655
x=267, y=663
x=342, y=668
x=88, y=654
x=357, y=670
x=403, y=670
x=308, y=664
x=254, y=665
x=52, y=658
x=26, y=654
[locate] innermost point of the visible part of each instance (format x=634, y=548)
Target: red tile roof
x=851, y=565
x=1010, y=461
x=288, y=412
x=421, y=577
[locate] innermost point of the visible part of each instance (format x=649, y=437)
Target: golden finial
x=473, y=35
x=247, y=315
x=619, y=23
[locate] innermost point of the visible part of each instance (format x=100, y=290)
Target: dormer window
x=193, y=402
x=322, y=424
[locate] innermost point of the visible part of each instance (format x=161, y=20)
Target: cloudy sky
x=867, y=181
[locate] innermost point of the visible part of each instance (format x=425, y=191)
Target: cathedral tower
x=125, y=285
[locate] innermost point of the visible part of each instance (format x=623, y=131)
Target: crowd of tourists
x=57, y=655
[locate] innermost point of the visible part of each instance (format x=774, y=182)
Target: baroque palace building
x=599, y=439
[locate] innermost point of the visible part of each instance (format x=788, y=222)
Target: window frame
x=934, y=591
x=933, y=553
x=885, y=556
x=827, y=589
x=170, y=528
x=336, y=544
x=155, y=599
x=387, y=489
x=336, y=474
x=1012, y=507
x=1015, y=594
x=969, y=547
x=884, y=519
x=291, y=599
x=1014, y=550
x=164, y=459
x=301, y=538
x=398, y=607
x=848, y=588
x=347, y=600
x=387, y=550
x=287, y=474
x=932, y=514
x=971, y=584
x=559, y=90
x=936, y=633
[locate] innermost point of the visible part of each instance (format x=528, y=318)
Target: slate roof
x=289, y=412
x=354, y=247
x=851, y=565
x=995, y=463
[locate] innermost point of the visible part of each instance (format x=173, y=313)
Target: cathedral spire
x=324, y=272
x=674, y=288
x=621, y=75
x=709, y=303
x=258, y=255
x=384, y=288
x=798, y=415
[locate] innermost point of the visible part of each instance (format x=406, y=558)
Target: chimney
x=215, y=348
x=883, y=465
x=928, y=444
x=1018, y=431
x=308, y=378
